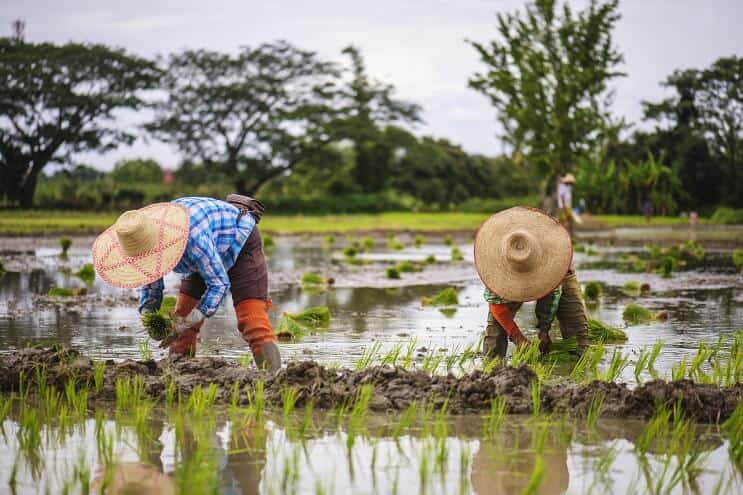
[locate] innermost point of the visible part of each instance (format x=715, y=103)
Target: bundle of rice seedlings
x=64, y=244
x=593, y=290
x=394, y=245
x=157, y=324
x=431, y=259
x=407, y=267
x=631, y=288
x=446, y=297
x=634, y=314
x=312, y=278
x=456, y=254
x=86, y=273
x=598, y=331
x=350, y=252
x=268, y=242
x=737, y=258
x=289, y=329
x=392, y=272
x=318, y=316
x=66, y=292
x=368, y=243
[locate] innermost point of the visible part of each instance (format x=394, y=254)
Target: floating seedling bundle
x=294, y=326
x=635, y=314
x=447, y=297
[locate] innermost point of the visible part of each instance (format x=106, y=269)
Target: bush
x=493, y=205
x=727, y=216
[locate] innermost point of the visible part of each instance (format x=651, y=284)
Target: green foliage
x=446, y=297
x=593, y=290
x=138, y=170
x=727, y=216
x=65, y=243
x=86, y=273
x=547, y=75
x=62, y=100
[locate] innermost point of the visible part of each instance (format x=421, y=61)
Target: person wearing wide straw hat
x=523, y=254
x=216, y=245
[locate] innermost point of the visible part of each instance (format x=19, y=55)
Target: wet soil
x=394, y=387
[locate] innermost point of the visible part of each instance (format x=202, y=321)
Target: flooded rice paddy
x=357, y=443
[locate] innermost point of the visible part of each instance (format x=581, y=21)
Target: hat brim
x=498, y=275
x=116, y=268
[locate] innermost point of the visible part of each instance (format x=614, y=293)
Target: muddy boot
x=185, y=345
x=495, y=342
x=255, y=327
x=571, y=313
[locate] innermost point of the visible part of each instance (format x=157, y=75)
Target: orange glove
x=503, y=316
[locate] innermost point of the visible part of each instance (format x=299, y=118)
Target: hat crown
x=521, y=250
x=137, y=233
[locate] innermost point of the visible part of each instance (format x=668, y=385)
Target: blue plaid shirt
x=217, y=234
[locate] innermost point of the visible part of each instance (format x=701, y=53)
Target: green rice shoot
x=599, y=331
x=447, y=297
x=86, y=273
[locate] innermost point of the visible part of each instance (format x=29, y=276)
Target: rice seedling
x=456, y=254
x=448, y=241
x=99, y=373
x=158, y=324
x=667, y=266
x=419, y=240
x=392, y=356
x=431, y=362
x=357, y=417
x=536, y=398
x=329, y=240
x=591, y=251
x=593, y=291
x=368, y=356
x=407, y=358
x=65, y=243
x=536, y=477
x=430, y=259
x=445, y=297
x=256, y=399
x=288, y=403
x=145, y=353
x=440, y=434
x=616, y=366
x=76, y=398
x=268, y=242
x=86, y=273
x=587, y=365
x=704, y=354
x=29, y=438
x=595, y=407
x=527, y=354
x=405, y=420
x=312, y=278
x=407, y=267
x=368, y=243
x=130, y=392
x=599, y=331
x=579, y=248
x=493, y=421
x=737, y=259
x=172, y=394
x=394, y=245
x=308, y=424
x=678, y=371
x=200, y=400
x=392, y=273
x=733, y=429
x=350, y=252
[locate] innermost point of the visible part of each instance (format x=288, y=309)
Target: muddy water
x=366, y=307
x=272, y=457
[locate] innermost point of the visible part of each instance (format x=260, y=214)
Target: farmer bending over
x=215, y=245
x=522, y=254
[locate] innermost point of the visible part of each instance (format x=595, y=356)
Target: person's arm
x=205, y=257
x=151, y=296
x=504, y=317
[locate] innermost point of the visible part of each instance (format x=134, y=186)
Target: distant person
x=523, y=254
x=647, y=209
x=565, y=202
x=693, y=218
x=216, y=245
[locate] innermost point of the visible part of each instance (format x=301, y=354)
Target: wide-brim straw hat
x=143, y=245
x=522, y=254
x=568, y=179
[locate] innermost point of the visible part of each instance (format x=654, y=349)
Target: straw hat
x=522, y=254
x=143, y=245
x=568, y=179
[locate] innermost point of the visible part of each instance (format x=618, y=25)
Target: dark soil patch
x=394, y=388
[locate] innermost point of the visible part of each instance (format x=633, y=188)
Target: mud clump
x=394, y=387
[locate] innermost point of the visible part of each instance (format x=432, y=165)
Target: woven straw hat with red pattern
x=143, y=245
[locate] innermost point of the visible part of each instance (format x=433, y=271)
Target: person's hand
x=182, y=324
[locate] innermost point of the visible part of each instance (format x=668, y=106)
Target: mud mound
x=394, y=388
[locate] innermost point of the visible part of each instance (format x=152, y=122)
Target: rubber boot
x=571, y=313
x=185, y=345
x=255, y=327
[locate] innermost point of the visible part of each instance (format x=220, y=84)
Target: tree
x=58, y=100
x=366, y=107
x=706, y=111
x=547, y=76
x=252, y=116
x=137, y=171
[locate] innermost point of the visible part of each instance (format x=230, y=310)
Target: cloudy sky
x=418, y=45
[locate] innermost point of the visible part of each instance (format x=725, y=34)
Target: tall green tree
x=137, y=171
x=700, y=128
x=366, y=108
x=547, y=74
x=58, y=100
x=252, y=116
